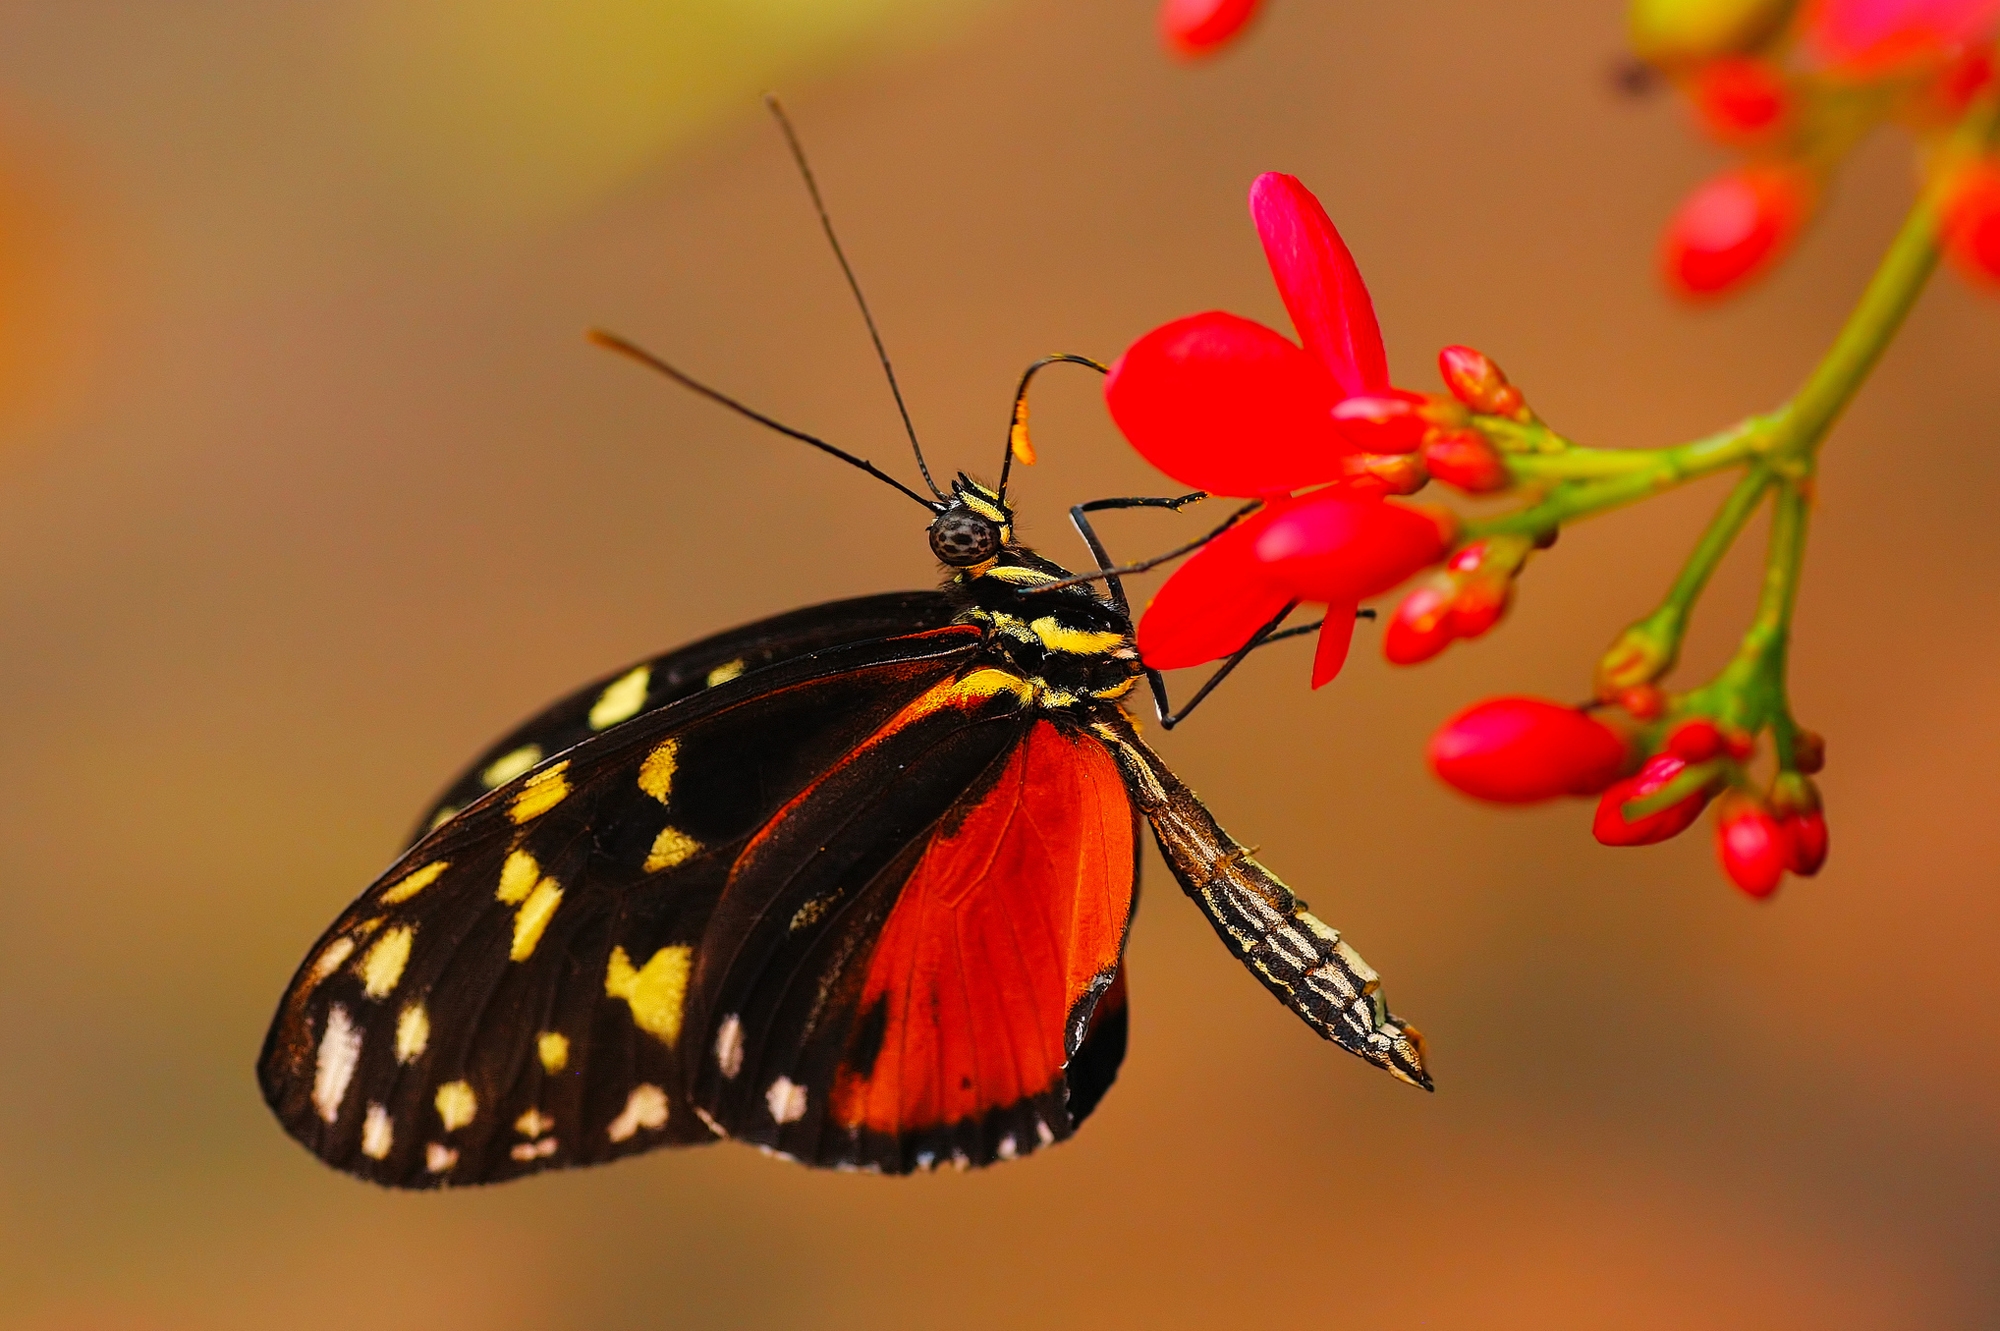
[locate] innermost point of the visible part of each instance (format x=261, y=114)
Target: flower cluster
x=1792, y=88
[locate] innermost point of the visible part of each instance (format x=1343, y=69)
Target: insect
x=851, y=884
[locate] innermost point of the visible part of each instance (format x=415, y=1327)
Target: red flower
x=1226, y=405
x=1867, y=38
x=1740, y=98
x=1972, y=220
x=1734, y=226
x=1522, y=750
x=1613, y=828
x=1752, y=846
x=1202, y=27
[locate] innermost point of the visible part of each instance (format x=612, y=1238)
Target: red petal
x=1212, y=604
x=1322, y=287
x=1341, y=546
x=1335, y=637
x=1227, y=406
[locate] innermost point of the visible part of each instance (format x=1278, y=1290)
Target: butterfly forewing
x=648, y=685
x=512, y=995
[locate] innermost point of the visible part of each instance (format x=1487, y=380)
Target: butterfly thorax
x=1071, y=645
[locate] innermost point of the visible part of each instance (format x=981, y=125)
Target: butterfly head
x=973, y=526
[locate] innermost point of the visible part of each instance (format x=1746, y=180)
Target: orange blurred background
x=309, y=487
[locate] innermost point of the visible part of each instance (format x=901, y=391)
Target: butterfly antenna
x=853, y=283
x=632, y=351
x=1019, y=447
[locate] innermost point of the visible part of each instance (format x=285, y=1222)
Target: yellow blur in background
x=309, y=487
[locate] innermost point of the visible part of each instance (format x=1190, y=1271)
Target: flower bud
x=1643, y=702
x=1752, y=847
x=1740, y=99
x=1480, y=604
x=1805, y=842
x=1972, y=221
x=1385, y=473
x=1340, y=546
x=1641, y=654
x=1421, y=626
x=1194, y=28
x=1613, y=828
x=1476, y=381
x=1465, y=460
x=1682, y=32
x=1808, y=751
x=1734, y=226
x=1695, y=741
x=1521, y=750
x=1390, y=422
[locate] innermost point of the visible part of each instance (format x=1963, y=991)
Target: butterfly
x=851, y=884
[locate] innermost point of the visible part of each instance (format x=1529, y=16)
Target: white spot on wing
x=622, y=698
x=510, y=765
x=377, y=1133
x=787, y=1100
x=1008, y=1150
x=1043, y=1133
x=339, y=950
x=438, y=1157
x=339, y=1053
x=527, y=1151
x=646, y=1107
x=729, y=1046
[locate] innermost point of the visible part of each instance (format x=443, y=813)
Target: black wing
x=648, y=685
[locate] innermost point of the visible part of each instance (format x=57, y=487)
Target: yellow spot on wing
x=413, y=1032
x=543, y=792
x=646, y=1107
x=656, y=774
x=672, y=846
x=725, y=672
x=412, y=883
x=552, y=1047
x=456, y=1104
x=533, y=1123
x=510, y=765
x=622, y=698
x=533, y=917
x=383, y=965
x=655, y=991
x=518, y=877
x=1080, y=642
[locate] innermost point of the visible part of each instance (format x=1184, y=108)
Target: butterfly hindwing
x=648, y=685
x=905, y=971
x=511, y=995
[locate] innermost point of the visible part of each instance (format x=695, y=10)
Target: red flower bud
x=1752, y=847
x=1734, y=226
x=1695, y=741
x=1465, y=460
x=1520, y=750
x=1972, y=221
x=1385, y=473
x=1643, y=702
x=1808, y=751
x=1201, y=27
x=1740, y=98
x=1389, y=422
x=1739, y=744
x=1613, y=828
x=1805, y=842
x=1421, y=626
x=1339, y=546
x=1479, y=605
x=1476, y=381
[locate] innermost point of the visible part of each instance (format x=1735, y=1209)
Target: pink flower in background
x=1195, y=28
x=1866, y=37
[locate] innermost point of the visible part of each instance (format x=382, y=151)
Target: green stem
x=1649, y=472
x=1722, y=532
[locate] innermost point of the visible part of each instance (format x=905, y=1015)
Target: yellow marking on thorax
x=1025, y=577
x=655, y=992
x=383, y=966
x=622, y=698
x=656, y=774
x=725, y=672
x=518, y=877
x=412, y=883
x=510, y=765
x=533, y=918
x=413, y=1033
x=1058, y=637
x=991, y=512
x=671, y=847
x=552, y=1048
x=456, y=1104
x=543, y=792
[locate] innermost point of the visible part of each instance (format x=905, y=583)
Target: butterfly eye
x=961, y=539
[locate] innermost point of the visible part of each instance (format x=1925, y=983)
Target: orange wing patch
x=1011, y=916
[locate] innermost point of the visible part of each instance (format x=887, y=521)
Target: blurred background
x=309, y=486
